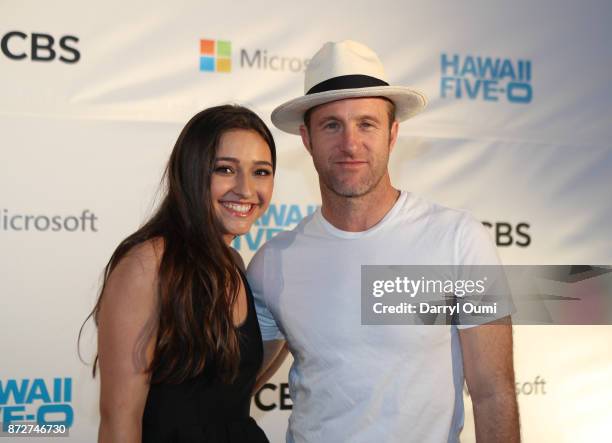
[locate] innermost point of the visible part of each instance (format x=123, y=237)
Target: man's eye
x=331, y=125
x=367, y=125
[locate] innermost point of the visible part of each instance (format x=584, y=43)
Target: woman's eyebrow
x=227, y=159
x=235, y=160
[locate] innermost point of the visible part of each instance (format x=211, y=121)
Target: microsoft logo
x=215, y=56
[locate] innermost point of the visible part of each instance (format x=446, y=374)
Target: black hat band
x=347, y=82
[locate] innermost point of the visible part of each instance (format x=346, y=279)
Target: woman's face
x=242, y=181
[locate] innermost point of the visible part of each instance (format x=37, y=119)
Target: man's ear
x=305, y=138
x=393, y=134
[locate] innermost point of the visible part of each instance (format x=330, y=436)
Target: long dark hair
x=198, y=279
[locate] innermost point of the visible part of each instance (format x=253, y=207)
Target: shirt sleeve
x=474, y=246
x=257, y=276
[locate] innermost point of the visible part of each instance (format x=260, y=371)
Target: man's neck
x=357, y=214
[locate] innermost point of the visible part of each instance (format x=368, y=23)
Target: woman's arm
x=127, y=324
x=275, y=352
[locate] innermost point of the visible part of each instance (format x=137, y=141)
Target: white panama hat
x=340, y=70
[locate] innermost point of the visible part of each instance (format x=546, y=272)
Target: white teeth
x=243, y=208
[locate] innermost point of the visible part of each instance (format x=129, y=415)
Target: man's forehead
x=361, y=105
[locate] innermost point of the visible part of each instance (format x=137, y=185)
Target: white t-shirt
x=358, y=383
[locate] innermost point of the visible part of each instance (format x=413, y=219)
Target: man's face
x=350, y=141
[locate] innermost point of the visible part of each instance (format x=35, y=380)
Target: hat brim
x=289, y=116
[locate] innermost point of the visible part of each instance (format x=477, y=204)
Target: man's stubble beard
x=341, y=189
x=363, y=187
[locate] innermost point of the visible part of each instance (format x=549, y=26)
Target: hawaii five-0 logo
x=46, y=402
x=485, y=78
x=276, y=219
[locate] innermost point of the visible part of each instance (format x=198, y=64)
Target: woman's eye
x=263, y=172
x=223, y=170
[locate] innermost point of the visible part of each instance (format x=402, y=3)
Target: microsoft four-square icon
x=215, y=56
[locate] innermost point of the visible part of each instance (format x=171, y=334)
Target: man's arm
x=489, y=373
x=275, y=352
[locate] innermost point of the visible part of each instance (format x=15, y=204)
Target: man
x=358, y=383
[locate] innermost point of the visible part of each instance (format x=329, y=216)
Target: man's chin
x=349, y=191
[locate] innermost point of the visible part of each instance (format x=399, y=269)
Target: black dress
x=204, y=409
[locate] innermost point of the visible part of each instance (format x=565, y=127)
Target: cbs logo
x=17, y=45
x=272, y=396
x=507, y=234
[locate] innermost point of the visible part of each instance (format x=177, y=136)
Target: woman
x=178, y=341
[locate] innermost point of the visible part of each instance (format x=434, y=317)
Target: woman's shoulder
x=147, y=253
x=134, y=276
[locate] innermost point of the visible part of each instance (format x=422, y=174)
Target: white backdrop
x=93, y=97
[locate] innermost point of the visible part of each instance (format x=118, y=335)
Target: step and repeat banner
x=517, y=131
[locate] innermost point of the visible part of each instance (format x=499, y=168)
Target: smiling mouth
x=239, y=209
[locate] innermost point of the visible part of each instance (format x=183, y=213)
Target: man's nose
x=349, y=139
